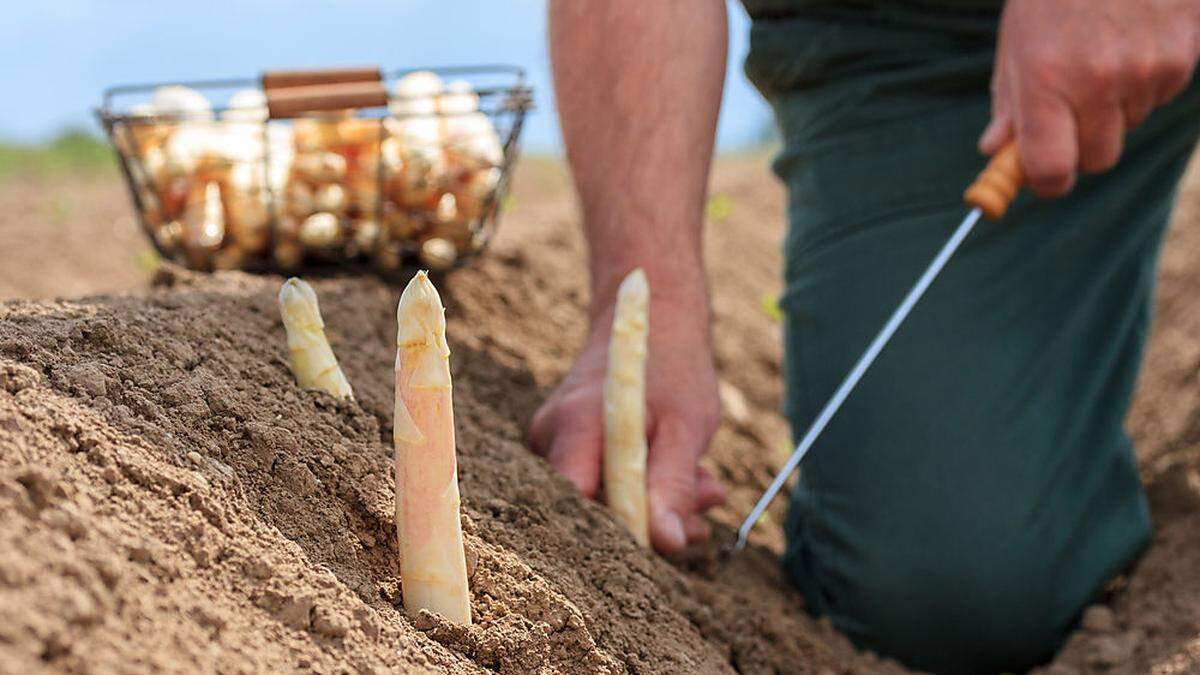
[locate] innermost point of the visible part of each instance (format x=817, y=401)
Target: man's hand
x=1072, y=76
x=682, y=413
x=638, y=86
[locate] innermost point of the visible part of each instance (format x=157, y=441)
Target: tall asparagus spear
x=313, y=362
x=433, y=568
x=625, y=408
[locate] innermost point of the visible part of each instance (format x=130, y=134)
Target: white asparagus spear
x=313, y=362
x=625, y=408
x=433, y=567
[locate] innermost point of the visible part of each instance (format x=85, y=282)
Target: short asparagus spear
x=313, y=362
x=433, y=568
x=625, y=407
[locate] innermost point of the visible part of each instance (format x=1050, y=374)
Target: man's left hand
x=1072, y=76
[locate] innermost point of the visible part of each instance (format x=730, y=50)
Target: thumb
x=1000, y=129
x=568, y=433
x=671, y=475
x=998, y=132
x=576, y=453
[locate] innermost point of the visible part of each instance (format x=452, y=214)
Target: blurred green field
x=71, y=151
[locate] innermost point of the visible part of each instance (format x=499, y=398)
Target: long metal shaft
x=856, y=373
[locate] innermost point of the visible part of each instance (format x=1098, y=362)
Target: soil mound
x=170, y=500
x=173, y=501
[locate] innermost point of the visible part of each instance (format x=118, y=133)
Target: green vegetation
x=72, y=150
x=770, y=305
x=718, y=207
x=147, y=260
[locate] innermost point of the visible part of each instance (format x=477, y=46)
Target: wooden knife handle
x=997, y=185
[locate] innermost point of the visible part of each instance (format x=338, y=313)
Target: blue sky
x=57, y=55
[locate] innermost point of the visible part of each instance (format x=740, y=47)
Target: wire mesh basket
x=316, y=166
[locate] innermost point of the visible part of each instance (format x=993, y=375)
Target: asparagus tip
x=420, y=315
x=298, y=293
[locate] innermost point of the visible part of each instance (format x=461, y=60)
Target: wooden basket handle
x=278, y=79
x=292, y=93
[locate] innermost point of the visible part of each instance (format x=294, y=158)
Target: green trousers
x=977, y=490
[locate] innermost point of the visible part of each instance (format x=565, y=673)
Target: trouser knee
x=951, y=611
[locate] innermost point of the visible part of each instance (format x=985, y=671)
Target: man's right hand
x=638, y=86
x=683, y=411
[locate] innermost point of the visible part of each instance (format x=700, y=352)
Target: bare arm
x=638, y=88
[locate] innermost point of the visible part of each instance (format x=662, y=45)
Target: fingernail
x=670, y=529
x=1070, y=185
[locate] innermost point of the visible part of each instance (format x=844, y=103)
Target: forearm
x=638, y=89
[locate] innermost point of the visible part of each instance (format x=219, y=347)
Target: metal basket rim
x=519, y=89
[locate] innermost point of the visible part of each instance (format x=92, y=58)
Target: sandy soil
x=69, y=237
x=171, y=501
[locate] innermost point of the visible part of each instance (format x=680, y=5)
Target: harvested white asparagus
x=204, y=220
x=247, y=105
x=439, y=254
x=313, y=362
x=433, y=567
x=320, y=230
x=625, y=408
x=185, y=103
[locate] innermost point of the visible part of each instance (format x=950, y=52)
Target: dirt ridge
x=170, y=501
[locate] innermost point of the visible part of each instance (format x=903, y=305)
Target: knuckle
x=1136, y=111
x=1101, y=151
x=1175, y=72
x=1050, y=186
x=675, y=426
x=691, y=420
x=1047, y=169
x=1142, y=69
x=1108, y=158
x=1043, y=68
x=1048, y=175
x=1041, y=56
x=577, y=399
x=1098, y=163
x=675, y=490
x=1103, y=76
